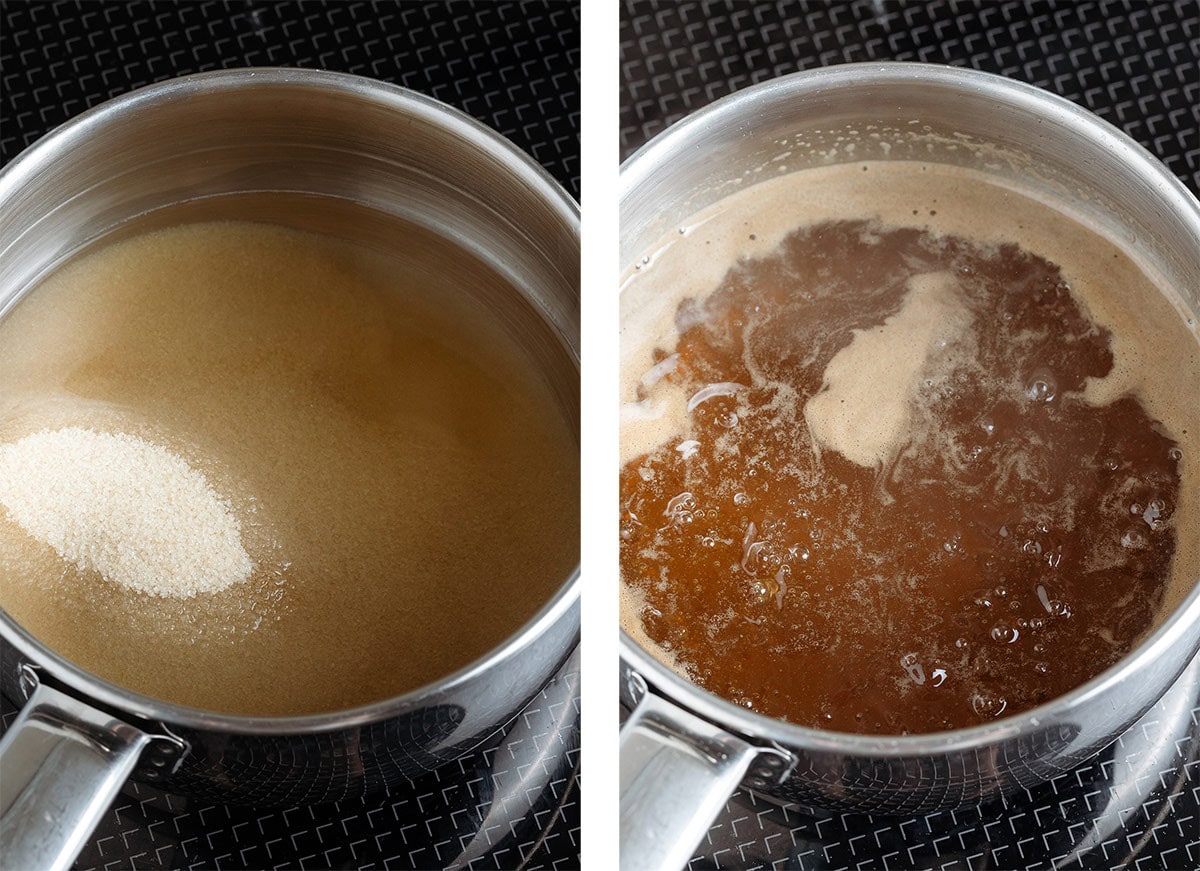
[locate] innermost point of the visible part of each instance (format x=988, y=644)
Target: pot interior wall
x=852, y=115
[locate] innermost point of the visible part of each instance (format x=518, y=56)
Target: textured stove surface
x=1136, y=64
x=512, y=65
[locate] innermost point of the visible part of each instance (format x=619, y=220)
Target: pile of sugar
x=125, y=508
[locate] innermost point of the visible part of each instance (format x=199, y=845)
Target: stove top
x=1134, y=63
x=515, y=67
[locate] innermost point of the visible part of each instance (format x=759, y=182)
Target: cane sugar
x=127, y=509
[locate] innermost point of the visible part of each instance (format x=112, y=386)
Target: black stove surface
x=515, y=67
x=1134, y=63
x=512, y=65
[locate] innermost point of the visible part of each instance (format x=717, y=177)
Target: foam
x=865, y=408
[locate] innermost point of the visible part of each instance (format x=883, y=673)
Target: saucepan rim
x=733, y=111
x=37, y=157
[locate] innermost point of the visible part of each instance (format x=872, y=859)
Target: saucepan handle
x=61, y=764
x=677, y=771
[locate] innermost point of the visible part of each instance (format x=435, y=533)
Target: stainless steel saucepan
x=683, y=750
x=187, y=147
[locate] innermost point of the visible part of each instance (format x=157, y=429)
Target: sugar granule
x=123, y=507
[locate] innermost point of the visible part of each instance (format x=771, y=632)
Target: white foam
x=864, y=410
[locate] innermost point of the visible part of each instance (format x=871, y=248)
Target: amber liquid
x=1011, y=541
x=386, y=423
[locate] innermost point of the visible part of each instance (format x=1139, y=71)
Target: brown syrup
x=1014, y=541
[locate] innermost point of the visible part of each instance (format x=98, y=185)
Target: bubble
x=987, y=705
x=961, y=643
x=914, y=669
x=1175, y=454
x=1155, y=514
x=728, y=421
x=1134, y=539
x=708, y=541
x=1005, y=633
x=1136, y=508
x=679, y=508
x=630, y=529
x=1041, y=389
x=1041, y=668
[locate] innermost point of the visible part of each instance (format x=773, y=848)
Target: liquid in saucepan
x=378, y=430
x=903, y=451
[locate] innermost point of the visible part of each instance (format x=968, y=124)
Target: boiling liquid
x=892, y=474
x=383, y=424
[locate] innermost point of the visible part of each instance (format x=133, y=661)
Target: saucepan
x=183, y=147
x=683, y=750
